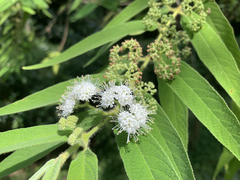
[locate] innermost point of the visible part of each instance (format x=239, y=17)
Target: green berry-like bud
x=72, y=121
x=72, y=139
x=62, y=124
x=78, y=131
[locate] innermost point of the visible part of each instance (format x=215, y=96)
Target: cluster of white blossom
x=82, y=90
x=133, y=117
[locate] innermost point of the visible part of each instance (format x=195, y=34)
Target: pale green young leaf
x=175, y=110
x=160, y=154
x=208, y=106
x=26, y=156
x=221, y=26
x=21, y=138
x=92, y=42
x=46, y=97
x=84, y=167
x=215, y=55
x=42, y=170
x=224, y=159
x=53, y=170
x=232, y=169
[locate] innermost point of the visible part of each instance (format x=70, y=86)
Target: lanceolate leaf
x=23, y=157
x=215, y=55
x=93, y=41
x=220, y=24
x=127, y=13
x=232, y=169
x=84, y=167
x=224, y=159
x=175, y=110
x=54, y=169
x=46, y=97
x=208, y=106
x=21, y=138
x=158, y=155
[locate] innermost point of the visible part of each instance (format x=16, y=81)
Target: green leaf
x=24, y=157
x=175, y=110
x=42, y=170
x=93, y=41
x=222, y=28
x=235, y=109
x=28, y=10
x=208, y=106
x=224, y=159
x=7, y=4
x=99, y=53
x=88, y=119
x=127, y=13
x=232, y=169
x=84, y=167
x=110, y=4
x=74, y=5
x=83, y=12
x=21, y=138
x=41, y=4
x=54, y=169
x=214, y=54
x=46, y=97
x=158, y=155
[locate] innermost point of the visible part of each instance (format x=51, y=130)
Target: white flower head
x=66, y=106
x=84, y=89
x=124, y=95
x=134, y=121
x=111, y=92
x=108, y=95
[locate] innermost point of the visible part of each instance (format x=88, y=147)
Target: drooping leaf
x=208, y=106
x=158, y=155
x=21, y=138
x=24, y=157
x=42, y=170
x=92, y=42
x=84, y=167
x=224, y=159
x=232, y=169
x=175, y=110
x=216, y=56
x=220, y=24
x=54, y=169
x=46, y=97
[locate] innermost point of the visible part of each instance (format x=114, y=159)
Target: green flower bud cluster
x=129, y=72
x=168, y=2
x=188, y=6
x=72, y=139
x=70, y=122
x=153, y=15
x=125, y=71
x=167, y=65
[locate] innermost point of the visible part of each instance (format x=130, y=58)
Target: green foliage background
x=204, y=150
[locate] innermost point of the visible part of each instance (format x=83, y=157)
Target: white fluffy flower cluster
x=82, y=90
x=134, y=119
x=121, y=93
